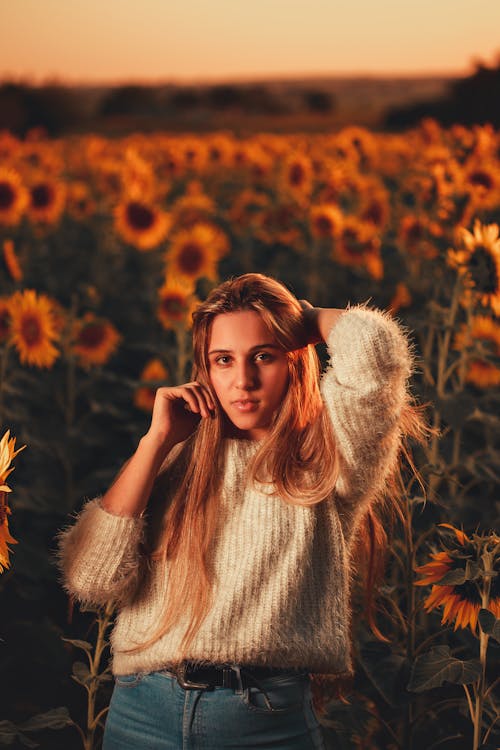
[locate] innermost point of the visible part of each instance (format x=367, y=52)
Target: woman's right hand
x=178, y=410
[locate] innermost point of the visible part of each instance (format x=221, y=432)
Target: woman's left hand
x=310, y=322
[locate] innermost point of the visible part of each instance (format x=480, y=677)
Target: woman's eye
x=264, y=356
x=222, y=360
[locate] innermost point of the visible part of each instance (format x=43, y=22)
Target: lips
x=246, y=405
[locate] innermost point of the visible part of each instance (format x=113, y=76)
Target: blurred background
x=148, y=151
x=272, y=65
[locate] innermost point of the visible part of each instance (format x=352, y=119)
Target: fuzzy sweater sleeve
x=365, y=389
x=99, y=555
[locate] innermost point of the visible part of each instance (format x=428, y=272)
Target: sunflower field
x=107, y=245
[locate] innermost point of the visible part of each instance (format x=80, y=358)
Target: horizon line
x=54, y=78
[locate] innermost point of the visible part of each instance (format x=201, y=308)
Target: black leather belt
x=192, y=677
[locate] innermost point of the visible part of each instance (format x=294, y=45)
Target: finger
x=190, y=399
x=196, y=390
x=206, y=396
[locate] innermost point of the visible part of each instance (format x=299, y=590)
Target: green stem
x=488, y=559
x=3, y=371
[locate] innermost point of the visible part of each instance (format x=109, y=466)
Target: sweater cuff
x=98, y=555
x=368, y=347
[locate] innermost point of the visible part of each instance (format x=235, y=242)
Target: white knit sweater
x=282, y=573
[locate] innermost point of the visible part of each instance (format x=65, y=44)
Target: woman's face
x=248, y=371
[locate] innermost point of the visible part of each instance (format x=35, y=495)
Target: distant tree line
x=471, y=100
x=60, y=109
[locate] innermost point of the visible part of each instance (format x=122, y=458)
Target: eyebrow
x=254, y=348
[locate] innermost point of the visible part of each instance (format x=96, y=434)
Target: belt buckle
x=188, y=684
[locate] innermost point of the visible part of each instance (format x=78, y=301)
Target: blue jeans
x=152, y=712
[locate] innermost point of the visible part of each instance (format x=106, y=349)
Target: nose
x=245, y=376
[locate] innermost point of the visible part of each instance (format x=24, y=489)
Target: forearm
x=129, y=493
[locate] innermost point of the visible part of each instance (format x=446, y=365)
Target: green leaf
x=437, y=666
x=489, y=624
x=81, y=673
x=79, y=644
x=9, y=733
x=387, y=670
x=56, y=718
x=453, y=578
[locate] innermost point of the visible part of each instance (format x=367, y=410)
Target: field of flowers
x=106, y=247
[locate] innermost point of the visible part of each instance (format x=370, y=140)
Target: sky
x=105, y=41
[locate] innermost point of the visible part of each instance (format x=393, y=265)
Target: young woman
x=228, y=539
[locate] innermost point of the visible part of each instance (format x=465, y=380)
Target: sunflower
x=138, y=176
x=296, y=176
x=260, y=164
x=7, y=454
x=109, y=175
x=193, y=207
x=193, y=153
x=462, y=601
x=281, y=223
x=245, y=210
x=357, y=145
x=401, y=298
x=479, y=263
x=194, y=252
x=177, y=302
x=140, y=223
x=483, y=182
x=47, y=199
x=81, y=205
x=325, y=221
x=11, y=261
x=13, y=197
x=358, y=245
x=374, y=206
x=94, y=340
x=4, y=319
x=10, y=146
x=32, y=328
x=220, y=147
x=483, y=331
x=144, y=396
x=416, y=235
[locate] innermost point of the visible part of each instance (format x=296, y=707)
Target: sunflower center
x=468, y=592
x=374, y=213
x=352, y=243
x=7, y=195
x=483, y=270
x=324, y=225
x=296, y=174
x=31, y=330
x=174, y=305
x=91, y=336
x=139, y=216
x=415, y=232
x=41, y=195
x=191, y=258
x=482, y=179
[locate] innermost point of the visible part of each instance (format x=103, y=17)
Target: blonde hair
x=298, y=456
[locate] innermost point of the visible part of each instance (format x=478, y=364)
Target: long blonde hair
x=298, y=456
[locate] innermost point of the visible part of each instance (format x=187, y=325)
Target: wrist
x=158, y=445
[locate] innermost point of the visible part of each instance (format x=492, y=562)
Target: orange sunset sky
x=182, y=40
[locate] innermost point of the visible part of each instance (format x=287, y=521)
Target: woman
x=227, y=539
